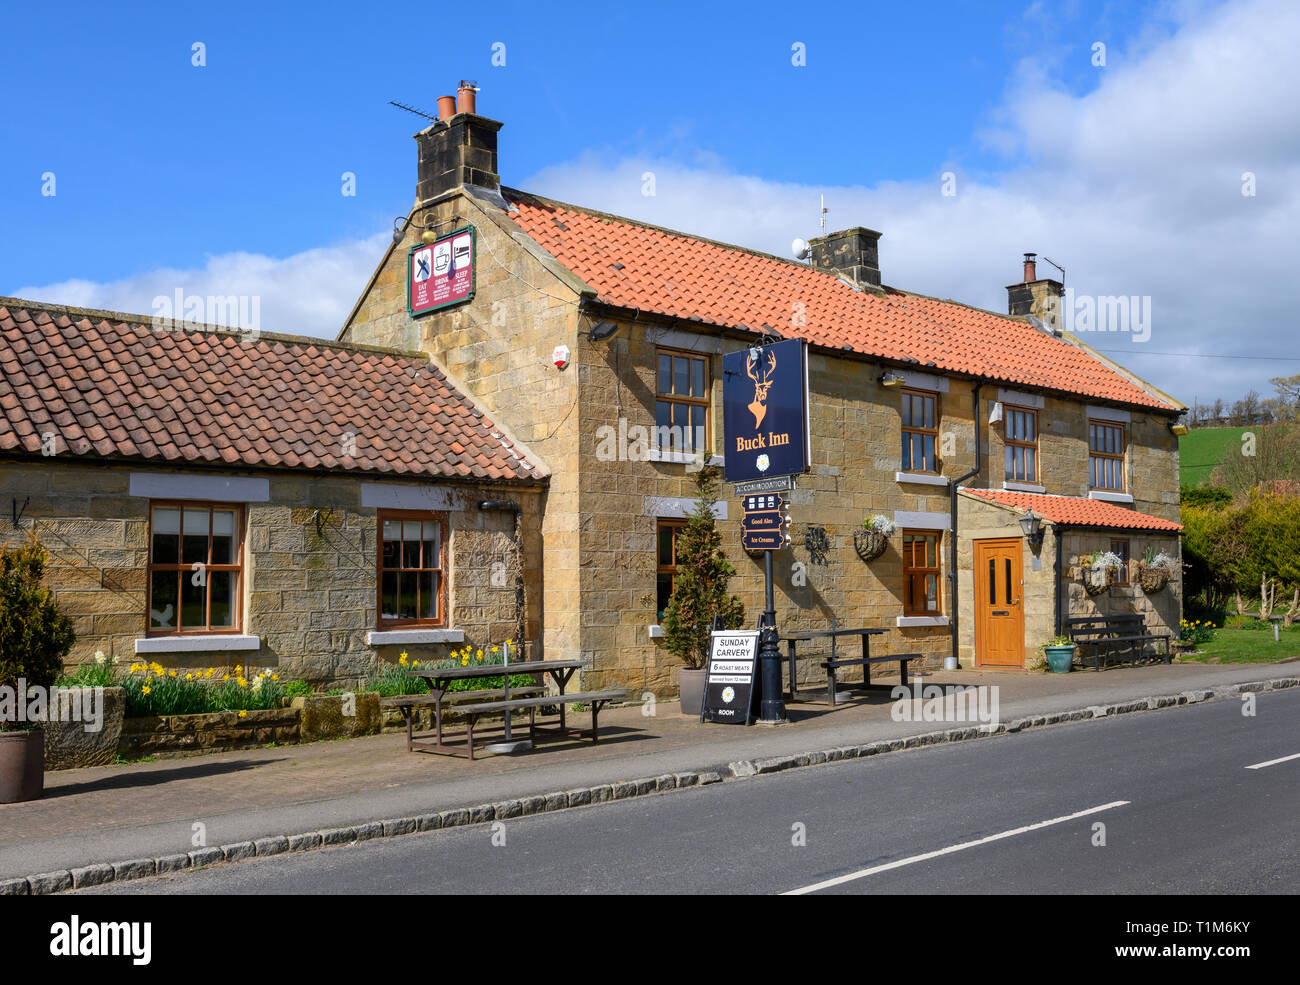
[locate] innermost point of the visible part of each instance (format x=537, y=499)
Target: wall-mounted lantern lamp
x=891, y=379
x=1178, y=429
x=1032, y=525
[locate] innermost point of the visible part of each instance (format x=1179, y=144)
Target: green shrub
x=34, y=635
x=1212, y=496
x=298, y=689
x=1231, y=549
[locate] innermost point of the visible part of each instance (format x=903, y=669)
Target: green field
x=1201, y=449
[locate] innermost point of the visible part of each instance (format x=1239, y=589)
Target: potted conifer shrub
x=699, y=593
x=34, y=638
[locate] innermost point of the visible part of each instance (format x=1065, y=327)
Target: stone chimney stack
x=460, y=149
x=1036, y=296
x=851, y=253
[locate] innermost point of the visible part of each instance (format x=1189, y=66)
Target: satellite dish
x=800, y=249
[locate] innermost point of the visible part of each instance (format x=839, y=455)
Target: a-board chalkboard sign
x=729, y=692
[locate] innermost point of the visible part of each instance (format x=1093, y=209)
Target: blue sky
x=166, y=172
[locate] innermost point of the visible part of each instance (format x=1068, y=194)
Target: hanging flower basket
x=1152, y=579
x=1095, y=580
x=869, y=544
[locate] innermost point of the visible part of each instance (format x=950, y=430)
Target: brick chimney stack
x=460, y=149
x=851, y=253
x=1036, y=296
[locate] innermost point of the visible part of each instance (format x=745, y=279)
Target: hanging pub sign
x=765, y=411
x=440, y=273
x=729, y=694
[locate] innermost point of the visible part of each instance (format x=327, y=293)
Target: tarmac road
x=1181, y=810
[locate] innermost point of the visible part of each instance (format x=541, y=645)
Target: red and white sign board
x=440, y=273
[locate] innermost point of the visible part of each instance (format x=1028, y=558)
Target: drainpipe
x=510, y=506
x=1059, y=531
x=952, y=526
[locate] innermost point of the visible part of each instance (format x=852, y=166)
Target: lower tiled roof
x=1075, y=511
x=110, y=387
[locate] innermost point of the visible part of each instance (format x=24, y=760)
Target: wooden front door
x=999, y=604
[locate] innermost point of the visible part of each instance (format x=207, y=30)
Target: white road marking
x=863, y=873
x=1274, y=762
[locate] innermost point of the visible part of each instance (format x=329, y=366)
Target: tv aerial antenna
x=412, y=109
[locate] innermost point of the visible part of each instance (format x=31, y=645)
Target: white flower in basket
x=881, y=524
x=1162, y=560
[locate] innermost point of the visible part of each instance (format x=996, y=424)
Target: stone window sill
x=1028, y=487
x=903, y=621
x=1110, y=497
x=410, y=636
x=194, y=644
x=681, y=457
x=921, y=478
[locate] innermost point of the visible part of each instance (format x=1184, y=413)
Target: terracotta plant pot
x=690, y=690
x=22, y=766
x=869, y=544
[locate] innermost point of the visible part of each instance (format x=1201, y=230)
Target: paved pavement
x=115, y=813
x=1181, y=810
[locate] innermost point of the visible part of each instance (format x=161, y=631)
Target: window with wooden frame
x=681, y=401
x=1120, y=549
x=1106, y=456
x=920, y=431
x=196, y=555
x=921, y=573
x=1020, y=444
x=412, y=565
x=667, y=532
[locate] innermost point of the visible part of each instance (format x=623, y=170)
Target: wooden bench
x=407, y=703
x=595, y=699
x=1108, y=635
x=865, y=663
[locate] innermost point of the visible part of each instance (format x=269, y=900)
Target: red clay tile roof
x=1075, y=511
x=636, y=266
x=116, y=388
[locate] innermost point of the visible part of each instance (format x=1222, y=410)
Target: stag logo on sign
x=759, y=405
x=102, y=939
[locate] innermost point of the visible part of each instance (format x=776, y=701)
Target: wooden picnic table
x=439, y=680
x=791, y=639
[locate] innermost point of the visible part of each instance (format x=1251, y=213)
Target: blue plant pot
x=1059, y=658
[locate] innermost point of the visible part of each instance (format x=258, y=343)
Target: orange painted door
x=999, y=604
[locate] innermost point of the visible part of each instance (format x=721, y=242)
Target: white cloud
x=1136, y=187
x=309, y=293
